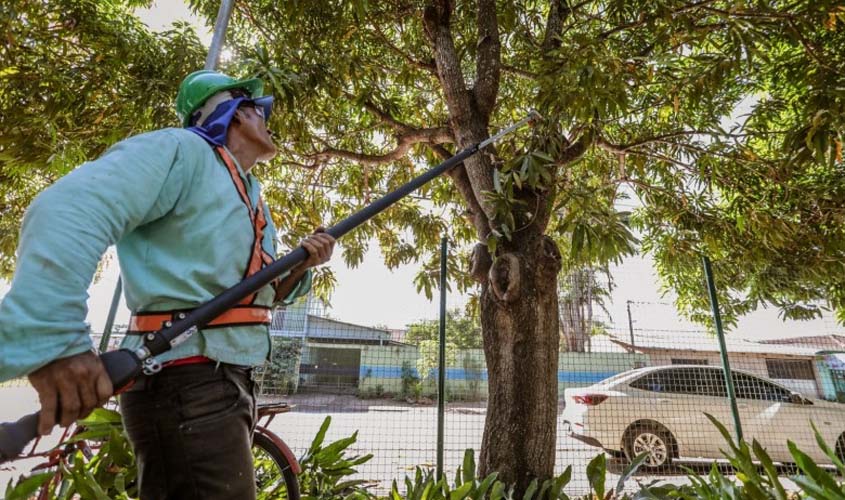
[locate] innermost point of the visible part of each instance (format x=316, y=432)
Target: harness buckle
x=151, y=366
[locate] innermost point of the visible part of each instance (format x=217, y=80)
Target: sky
x=373, y=295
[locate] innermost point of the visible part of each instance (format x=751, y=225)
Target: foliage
x=280, y=373
x=723, y=118
x=411, y=383
x=462, y=330
x=467, y=485
x=109, y=473
x=75, y=77
x=325, y=469
x=580, y=290
x=756, y=478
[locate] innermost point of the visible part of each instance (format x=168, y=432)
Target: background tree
x=76, y=76
x=581, y=291
x=635, y=95
x=462, y=329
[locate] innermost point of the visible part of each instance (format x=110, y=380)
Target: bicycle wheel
x=274, y=478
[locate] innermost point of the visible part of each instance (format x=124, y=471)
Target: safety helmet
x=197, y=87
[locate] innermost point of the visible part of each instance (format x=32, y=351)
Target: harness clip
x=151, y=366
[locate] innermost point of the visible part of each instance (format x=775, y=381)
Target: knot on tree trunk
x=551, y=254
x=480, y=262
x=504, y=277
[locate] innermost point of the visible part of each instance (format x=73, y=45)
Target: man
x=188, y=221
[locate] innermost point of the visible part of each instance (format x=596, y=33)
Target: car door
x=709, y=387
x=768, y=415
x=677, y=399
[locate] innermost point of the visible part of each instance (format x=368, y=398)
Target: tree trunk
x=521, y=342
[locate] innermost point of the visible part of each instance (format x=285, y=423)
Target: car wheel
x=840, y=447
x=653, y=440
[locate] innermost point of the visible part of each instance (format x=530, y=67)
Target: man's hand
x=320, y=246
x=70, y=388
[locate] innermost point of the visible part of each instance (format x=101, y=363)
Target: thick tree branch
x=404, y=143
x=488, y=63
x=462, y=182
x=575, y=150
x=436, y=20
x=554, y=25
x=468, y=124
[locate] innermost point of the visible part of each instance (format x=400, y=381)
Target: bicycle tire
x=264, y=448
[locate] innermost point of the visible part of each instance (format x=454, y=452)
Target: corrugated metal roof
x=704, y=343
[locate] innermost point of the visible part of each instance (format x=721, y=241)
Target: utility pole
x=630, y=321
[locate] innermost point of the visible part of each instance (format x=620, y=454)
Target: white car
x=660, y=411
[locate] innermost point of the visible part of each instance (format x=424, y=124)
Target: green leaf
x=469, y=466
x=27, y=486
x=597, y=473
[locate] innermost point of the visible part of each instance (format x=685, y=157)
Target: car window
x=698, y=381
x=713, y=383
x=675, y=380
x=652, y=381
x=748, y=387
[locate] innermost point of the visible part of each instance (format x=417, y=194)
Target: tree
x=462, y=330
x=580, y=290
x=76, y=76
x=635, y=96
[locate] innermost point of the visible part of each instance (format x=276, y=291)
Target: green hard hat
x=197, y=87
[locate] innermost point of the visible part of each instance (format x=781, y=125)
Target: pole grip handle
x=123, y=366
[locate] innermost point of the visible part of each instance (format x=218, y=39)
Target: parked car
x=660, y=411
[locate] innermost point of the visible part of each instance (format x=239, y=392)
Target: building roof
x=828, y=342
x=709, y=344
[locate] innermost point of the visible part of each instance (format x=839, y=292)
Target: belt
x=151, y=321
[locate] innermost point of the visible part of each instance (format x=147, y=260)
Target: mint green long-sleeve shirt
x=183, y=235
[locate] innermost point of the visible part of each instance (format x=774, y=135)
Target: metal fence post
x=441, y=365
x=115, y=300
x=720, y=334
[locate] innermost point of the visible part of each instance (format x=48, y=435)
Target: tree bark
x=519, y=302
x=521, y=343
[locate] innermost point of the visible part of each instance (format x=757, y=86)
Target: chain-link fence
x=627, y=389
x=627, y=384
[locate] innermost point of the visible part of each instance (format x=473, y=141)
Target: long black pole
x=123, y=365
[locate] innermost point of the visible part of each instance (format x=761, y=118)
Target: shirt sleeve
x=303, y=286
x=64, y=234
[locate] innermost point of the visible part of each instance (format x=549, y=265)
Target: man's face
x=252, y=126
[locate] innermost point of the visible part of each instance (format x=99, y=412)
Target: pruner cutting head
x=533, y=117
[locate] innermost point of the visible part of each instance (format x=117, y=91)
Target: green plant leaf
x=597, y=473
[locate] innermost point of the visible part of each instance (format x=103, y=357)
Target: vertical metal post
x=720, y=334
x=630, y=321
x=115, y=300
x=220, y=26
x=441, y=376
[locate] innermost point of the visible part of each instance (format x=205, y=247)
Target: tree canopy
x=643, y=94
x=76, y=76
x=646, y=87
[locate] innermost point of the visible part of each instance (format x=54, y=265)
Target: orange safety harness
x=246, y=312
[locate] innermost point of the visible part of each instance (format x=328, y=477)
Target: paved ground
x=400, y=435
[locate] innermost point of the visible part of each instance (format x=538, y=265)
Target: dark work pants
x=191, y=429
